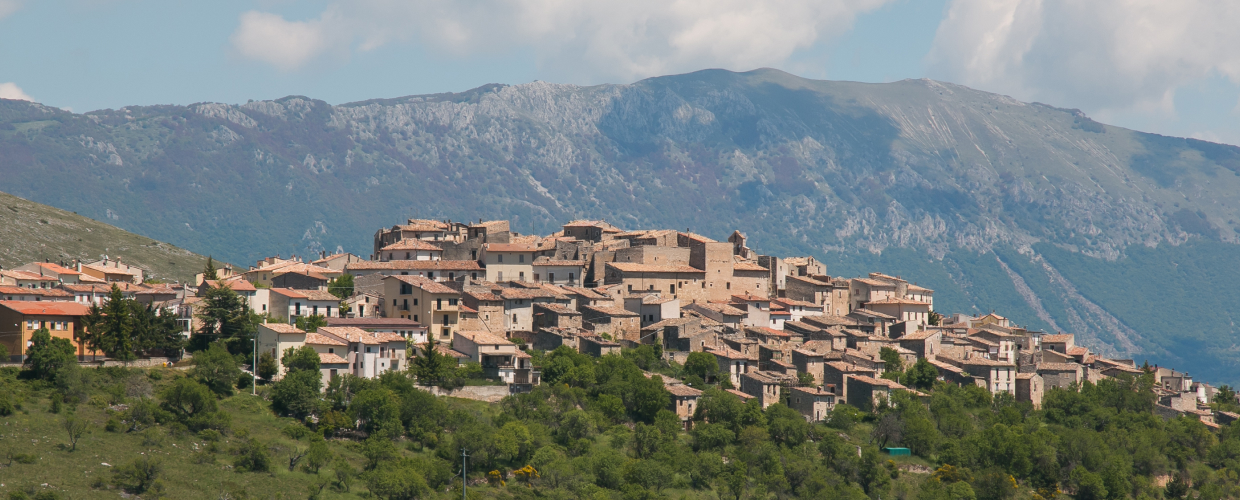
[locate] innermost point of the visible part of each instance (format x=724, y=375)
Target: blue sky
x=1165, y=67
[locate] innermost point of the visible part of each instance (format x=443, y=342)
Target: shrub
x=252, y=456
x=137, y=476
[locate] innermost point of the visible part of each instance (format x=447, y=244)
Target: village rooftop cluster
x=781, y=329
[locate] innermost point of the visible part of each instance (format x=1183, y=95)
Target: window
x=535, y=277
x=473, y=276
x=452, y=276
x=406, y=289
x=265, y=306
x=570, y=277
x=671, y=289
x=298, y=307
x=331, y=350
x=404, y=273
x=445, y=319
x=473, y=255
x=415, y=317
x=514, y=318
x=315, y=310
x=729, y=285
x=430, y=274
x=451, y=302
x=550, y=277
x=394, y=302
x=521, y=276
x=521, y=258
x=406, y=255
x=499, y=276
x=415, y=301
x=438, y=303
x=499, y=257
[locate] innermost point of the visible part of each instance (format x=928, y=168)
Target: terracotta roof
x=234, y=285
x=611, y=311
x=739, y=394
x=588, y=223
x=17, y=290
x=922, y=289
x=697, y=237
x=868, y=312
x=525, y=293
x=542, y=261
x=749, y=298
x=723, y=309
x=1058, y=338
x=847, y=367
x=25, y=275
x=483, y=338
x=415, y=265
x=726, y=353
x=507, y=247
x=315, y=338
x=110, y=270
x=560, y=309
x=791, y=302
x=988, y=362
x=877, y=381
x=45, y=308
x=411, y=244
x=766, y=330
x=56, y=268
x=328, y=358
x=633, y=267
x=919, y=335
x=426, y=284
x=1058, y=367
x=584, y=292
x=282, y=328
x=748, y=266
x=681, y=390
x=875, y=283
x=364, y=323
x=1078, y=351
x=809, y=280
x=895, y=301
x=484, y=296
x=354, y=334
x=814, y=391
x=316, y=295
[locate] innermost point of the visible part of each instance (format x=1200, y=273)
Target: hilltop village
x=780, y=329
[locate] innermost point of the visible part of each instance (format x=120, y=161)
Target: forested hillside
x=1039, y=212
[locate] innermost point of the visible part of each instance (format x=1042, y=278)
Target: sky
x=1152, y=65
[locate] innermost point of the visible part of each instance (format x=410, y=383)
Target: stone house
x=812, y=402
x=430, y=303
x=597, y=346
x=619, y=323
x=684, y=402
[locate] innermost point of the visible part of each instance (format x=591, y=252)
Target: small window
x=521, y=258
x=514, y=318
x=499, y=257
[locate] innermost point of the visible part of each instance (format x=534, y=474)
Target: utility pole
x=464, y=473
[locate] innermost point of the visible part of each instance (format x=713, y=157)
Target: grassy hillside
x=31, y=231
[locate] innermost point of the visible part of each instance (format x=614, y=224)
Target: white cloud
x=8, y=7
x=593, y=41
x=1108, y=56
x=10, y=90
x=283, y=44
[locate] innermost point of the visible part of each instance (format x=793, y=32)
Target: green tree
x=252, y=456
x=208, y=272
x=921, y=375
x=155, y=330
x=311, y=323
x=75, y=428
x=934, y=318
x=224, y=316
x=297, y=394
x=116, y=337
x=786, y=426
x=48, y=355
x=138, y=476
x=431, y=367
x=318, y=456
x=378, y=410
x=891, y=360
x=702, y=364
x=398, y=480
x=267, y=366
x=216, y=368
x=301, y=358
x=187, y=398
x=342, y=286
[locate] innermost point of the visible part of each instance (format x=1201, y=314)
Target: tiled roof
x=920, y=289
x=1078, y=351
x=25, y=275
x=766, y=330
x=328, y=358
x=723, y=309
x=234, y=285
x=316, y=295
x=56, y=268
x=560, y=309
x=1058, y=367
x=739, y=394
x=584, y=292
x=354, y=334
x=45, y=308
x=587, y=223
x=809, y=280
x=611, y=311
x=415, y=265
x=282, y=328
x=525, y=293
x=484, y=296
x=726, y=353
x=426, y=284
x=791, y=302
x=684, y=391
x=877, y=381
x=508, y=247
x=542, y=261
x=698, y=237
x=109, y=270
x=895, y=301
x=749, y=298
x=918, y=335
x=411, y=244
x=1058, y=338
x=875, y=283
x=988, y=362
x=364, y=323
x=483, y=338
x=748, y=266
x=633, y=267
x=868, y=312
x=315, y=338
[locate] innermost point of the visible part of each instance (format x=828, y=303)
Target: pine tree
x=117, y=334
x=224, y=316
x=209, y=273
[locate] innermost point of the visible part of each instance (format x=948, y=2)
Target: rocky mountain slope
x=1064, y=223
x=32, y=232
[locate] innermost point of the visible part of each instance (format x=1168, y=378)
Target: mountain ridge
x=977, y=192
